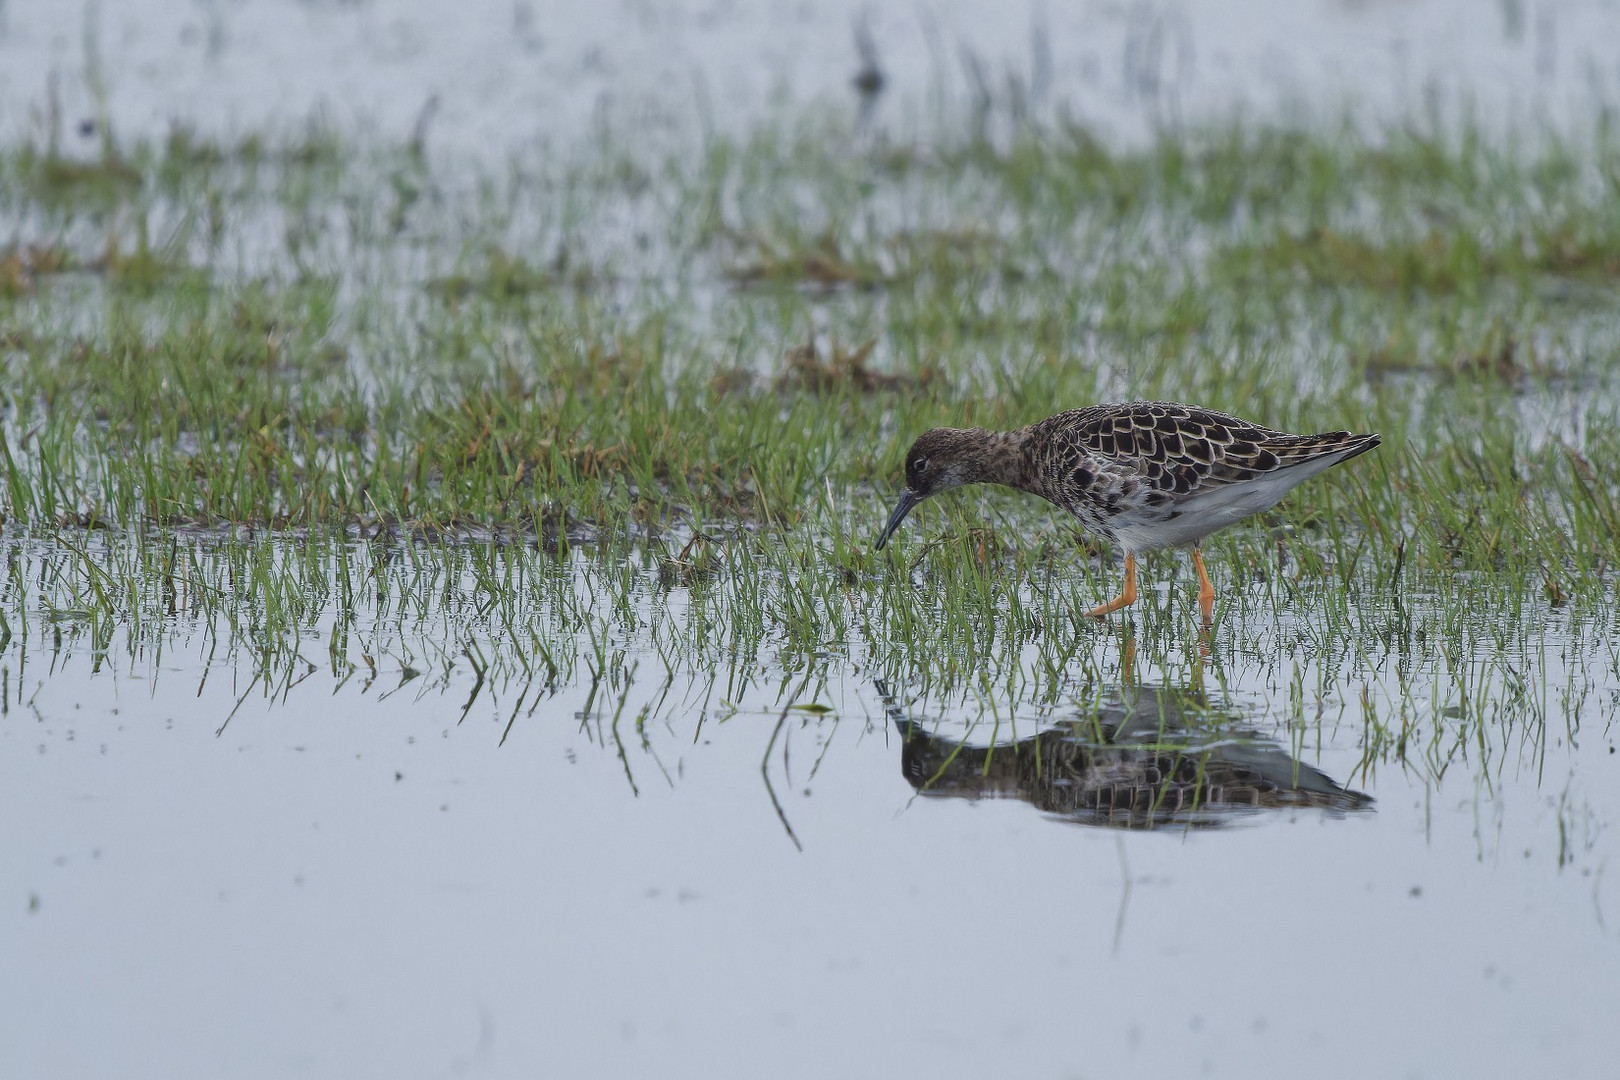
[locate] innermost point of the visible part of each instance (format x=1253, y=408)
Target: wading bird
x=1143, y=475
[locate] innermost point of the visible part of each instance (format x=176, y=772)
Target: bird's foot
x=1127, y=596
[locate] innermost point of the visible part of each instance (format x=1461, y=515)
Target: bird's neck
x=1001, y=459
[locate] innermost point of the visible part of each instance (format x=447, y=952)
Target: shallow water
x=570, y=819
x=263, y=864
x=506, y=76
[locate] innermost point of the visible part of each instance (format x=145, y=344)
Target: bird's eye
x=920, y=465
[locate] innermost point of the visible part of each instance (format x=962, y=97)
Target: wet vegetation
x=323, y=412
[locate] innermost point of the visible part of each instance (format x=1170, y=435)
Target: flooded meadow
x=440, y=626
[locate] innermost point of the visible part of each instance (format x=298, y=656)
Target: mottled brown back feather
x=1097, y=460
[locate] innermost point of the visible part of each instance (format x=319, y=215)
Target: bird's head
x=939, y=460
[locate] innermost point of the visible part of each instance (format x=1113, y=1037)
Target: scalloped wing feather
x=1160, y=474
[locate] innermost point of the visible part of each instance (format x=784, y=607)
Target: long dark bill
x=908, y=499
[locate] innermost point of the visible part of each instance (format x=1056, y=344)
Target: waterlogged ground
x=439, y=631
x=389, y=840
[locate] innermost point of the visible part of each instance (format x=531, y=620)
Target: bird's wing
x=1180, y=450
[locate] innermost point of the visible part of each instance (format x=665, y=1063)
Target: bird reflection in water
x=1145, y=757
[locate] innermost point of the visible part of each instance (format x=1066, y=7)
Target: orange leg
x=1206, y=591
x=1125, y=598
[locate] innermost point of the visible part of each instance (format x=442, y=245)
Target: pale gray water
x=348, y=882
x=348, y=879
x=507, y=74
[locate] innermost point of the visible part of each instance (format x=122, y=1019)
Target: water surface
x=342, y=867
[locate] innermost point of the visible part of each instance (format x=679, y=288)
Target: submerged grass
x=1478, y=676
x=539, y=423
